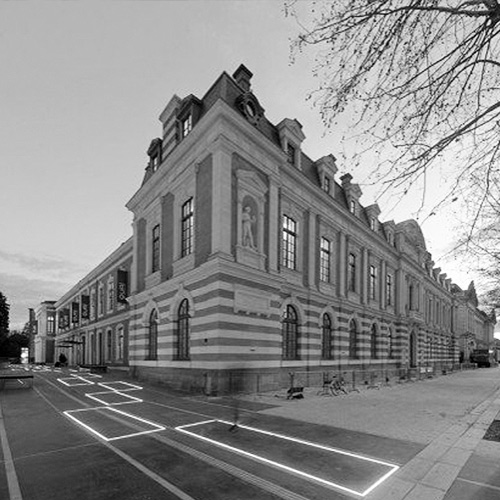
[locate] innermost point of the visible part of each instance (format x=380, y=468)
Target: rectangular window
x=187, y=228
x=388, y=290
x=352, y=207
x=290, y=151
x=326, y=184
x=352, y=273
x=289, y=243
x=373, y=282
x=100, y=300
x=324, y=262
x=187, y=126
x=51, y=324
x=155, y=249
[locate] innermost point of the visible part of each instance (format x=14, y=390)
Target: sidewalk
x=449, y=414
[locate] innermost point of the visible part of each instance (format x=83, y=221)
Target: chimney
x=242, y=77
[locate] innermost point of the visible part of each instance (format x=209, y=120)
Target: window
x=353, y=340
x=154, y=163
x=324, y=264
x=111, y=293
x=388, y=289
x=410, y=297
x=155, y=249
x=119, y=343
x=51, y=322
x=373, y=223
x=187, y=126
x=100, y=299
x=352, y=207
x=290, y=333
x=290, y=151
x=390, y=344
x=109, y=345
x=182, y=341
x=153, y=335
x=352, y=273
x=326, y=337
x=373, y=282
x=373, y=342
x=326, y=184
x=289, y=243
x=187, y=228
x=92, y=304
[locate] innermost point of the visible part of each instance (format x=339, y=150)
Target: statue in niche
x=247, y=221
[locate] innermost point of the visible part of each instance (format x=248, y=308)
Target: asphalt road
x=133, y=443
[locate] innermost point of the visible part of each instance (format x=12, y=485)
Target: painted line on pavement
x=10, y=470
x=477, y=483
x=149, y=473
x=393, y=468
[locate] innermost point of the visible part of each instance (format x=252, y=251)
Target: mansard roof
x=413, y=232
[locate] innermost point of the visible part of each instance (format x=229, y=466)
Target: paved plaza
x=90, y=436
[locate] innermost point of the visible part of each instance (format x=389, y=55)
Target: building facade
x=93, y=317
x=45, y=332
x=249, y=260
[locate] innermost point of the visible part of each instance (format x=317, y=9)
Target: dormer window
x=154, y=163
x=326, y=184
x=352, y=207
x=290, y=151
x=373, y=223
x=187, y=126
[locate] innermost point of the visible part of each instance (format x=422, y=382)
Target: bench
x=295, y=393
x=4, y=377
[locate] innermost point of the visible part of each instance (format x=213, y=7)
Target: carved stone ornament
x=249, y=106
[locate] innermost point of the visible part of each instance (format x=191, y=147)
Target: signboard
x=122, y=286
x=85, y=306
x=75, y=312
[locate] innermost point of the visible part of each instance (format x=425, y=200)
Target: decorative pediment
x=251, y=182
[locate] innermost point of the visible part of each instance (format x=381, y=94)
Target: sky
x=82, y=86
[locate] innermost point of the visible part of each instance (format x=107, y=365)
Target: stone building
x=249, y=260
x=44, y=338
x=93, y=317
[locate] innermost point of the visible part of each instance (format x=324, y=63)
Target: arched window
x=119, y=344
x=326, y=337
x=182, y=340
x=290, y=333
x=109, y=345
x=373, y=342
x=390, y=344
x=353, y=340
x=153, y=335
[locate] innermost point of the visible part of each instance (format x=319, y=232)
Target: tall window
x=290, y=151
x=324, y=263
x=373, y=342
x=388, y=289
x=153, y=335
x=352, y=272
x=326, y=337
x=111, y=293
x=289, y=242
x=352, y=207
x=410, y=297
x=155, y=249
x=182, y=341
x=353, y=340
x=109, y=345
x=373, y=282
x=390, y=344
x=290, y=334
x=187, y=126
x=326, y=184
x=187, y=228
x=92, y=304
x=119, y=343
x=100, y=299
x=373, y=223
x=51, y=323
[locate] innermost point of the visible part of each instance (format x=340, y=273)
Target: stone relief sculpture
x=247, y=221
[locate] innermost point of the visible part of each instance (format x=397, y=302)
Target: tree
x=421, y=79
x=4, y=316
